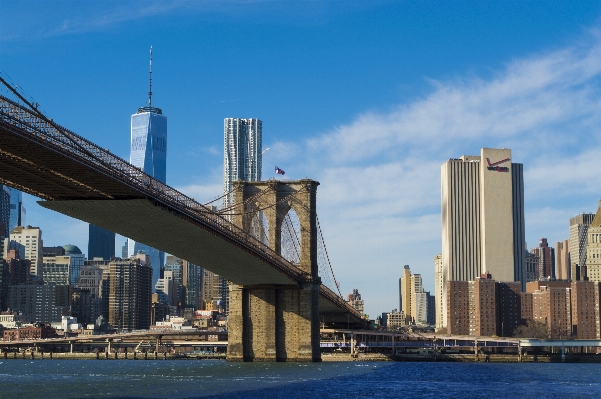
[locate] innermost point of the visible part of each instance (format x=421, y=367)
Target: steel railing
x=33, y=126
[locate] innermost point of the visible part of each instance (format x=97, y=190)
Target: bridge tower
x=277, y=323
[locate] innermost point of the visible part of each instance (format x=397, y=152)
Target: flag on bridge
x=279, y=171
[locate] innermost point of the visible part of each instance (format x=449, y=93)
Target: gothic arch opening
x=259, y=227
x=291, y=237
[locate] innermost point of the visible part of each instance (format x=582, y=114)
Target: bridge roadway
x=78, y=178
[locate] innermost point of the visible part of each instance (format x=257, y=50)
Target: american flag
x=279, y=171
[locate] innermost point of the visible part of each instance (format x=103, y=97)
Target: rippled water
x=192, y=379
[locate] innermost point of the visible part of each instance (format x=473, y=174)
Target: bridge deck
x=80, y=179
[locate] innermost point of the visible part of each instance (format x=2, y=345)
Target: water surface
x=67, y=379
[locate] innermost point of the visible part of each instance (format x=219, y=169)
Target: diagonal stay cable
x=327, y=256
x=267, y=207
x=292, y=234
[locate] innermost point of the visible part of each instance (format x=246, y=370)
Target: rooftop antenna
x=150, y=82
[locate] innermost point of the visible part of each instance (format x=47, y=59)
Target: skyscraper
x=593, y=248
x=28, y=240
x=414, y=300
x=242, y=149
x=438, y=291
x=17, y=210
x=5, y=205
x=546, y=259
x=130, y=293
x=149, y=153
x=101, y=243
x=562, y=260
x=578, y=240
x=483, y=218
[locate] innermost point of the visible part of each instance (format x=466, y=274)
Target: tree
x=532, y=329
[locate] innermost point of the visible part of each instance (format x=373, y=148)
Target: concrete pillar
x=235, y=347
x=71, y=347
x=262, y=326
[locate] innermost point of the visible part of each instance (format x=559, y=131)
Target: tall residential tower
x=483, y=218
x=149, y=153
x=242, y=158
x=578, y=241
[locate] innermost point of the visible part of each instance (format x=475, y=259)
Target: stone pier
x=277, y=323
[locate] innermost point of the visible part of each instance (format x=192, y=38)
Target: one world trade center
x=148, y=152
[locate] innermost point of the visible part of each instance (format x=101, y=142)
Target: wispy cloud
x=380, y=174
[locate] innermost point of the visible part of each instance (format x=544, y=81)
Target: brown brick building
x=458, y=299
x=30, y=332
x=483, y=307
x=585, y=310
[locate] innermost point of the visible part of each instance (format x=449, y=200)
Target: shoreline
x=372, y=357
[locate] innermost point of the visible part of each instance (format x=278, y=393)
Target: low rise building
x=29, y=333
x=13, y=319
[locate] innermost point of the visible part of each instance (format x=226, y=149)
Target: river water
x=67, y=379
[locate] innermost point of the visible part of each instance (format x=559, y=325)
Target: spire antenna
x=150, y=82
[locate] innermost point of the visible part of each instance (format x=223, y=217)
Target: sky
x=368, y=98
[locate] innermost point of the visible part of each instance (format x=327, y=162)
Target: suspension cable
x=246, y=201
x=267, y=207
x=218, y=198
x=327, y=256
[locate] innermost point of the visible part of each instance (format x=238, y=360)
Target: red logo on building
x=493, y=165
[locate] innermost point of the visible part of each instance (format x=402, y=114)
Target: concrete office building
x=438, y=291
x=42, y=302
x=130, y=290
x=578, y=240
x=593, y=248
x=90, y=276
x=57, y=269
x=17, y=270
x=483, y=218
x=419, y=301
x=405, y=291
x=562, y=260
x=531, y=267
x=546, y=259
x=149, y=153
x=396, y=320
x=192, y=280
x=414, y=300
x=28, y=240
x=354, y=299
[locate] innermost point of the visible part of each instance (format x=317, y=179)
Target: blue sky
x=368, y=98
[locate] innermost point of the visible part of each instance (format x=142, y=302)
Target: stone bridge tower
x=277, y=323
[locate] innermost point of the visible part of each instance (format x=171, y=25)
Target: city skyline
x=423, y=87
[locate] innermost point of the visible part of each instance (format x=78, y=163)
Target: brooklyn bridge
x=277, y=301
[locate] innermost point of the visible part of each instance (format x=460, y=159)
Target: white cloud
x=381, y=172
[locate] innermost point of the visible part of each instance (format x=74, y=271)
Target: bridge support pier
x=271, y=324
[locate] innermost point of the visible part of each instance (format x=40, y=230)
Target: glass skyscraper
x=17, y=210
x=148, y=152
x=5, y=208
x=101, y=243
x=243, y=144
